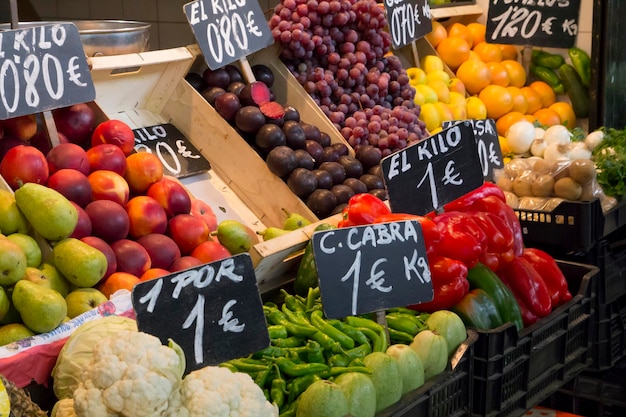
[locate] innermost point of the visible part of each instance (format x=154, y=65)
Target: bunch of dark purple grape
x=338, y=51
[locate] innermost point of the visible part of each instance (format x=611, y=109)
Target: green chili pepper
x=402, y=324
x=354, y=334
x=275, y=316
x=262, y=377
x=375, y=339
x=359, y=352
x=292, y=302
x=298, y=385
x=230, y=366
x=315, y=353
x=293, y=369
x=291, y=341
x=363, y=323
x=338, y=359
x=277, y=331
x=398, y=336
x=270, y=351
x=338, y=370
x=291, y=410
x=312, y=297
x=402, y=310
x=419, y=320
x=248, y=365
x=318, y=321
x=277, y=391
x=326, y=341
x=297, y=319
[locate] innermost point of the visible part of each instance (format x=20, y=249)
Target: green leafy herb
x=610, y=160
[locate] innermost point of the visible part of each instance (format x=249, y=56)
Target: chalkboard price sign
x=408, y=20
x=489, y=151
x=42, y=68
x=369, y=268
x=213, y=311
x=227, y=30
x=179, y=157
x=549, y=23
x=434, y=171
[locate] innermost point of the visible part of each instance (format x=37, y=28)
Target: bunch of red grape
x=338, y=51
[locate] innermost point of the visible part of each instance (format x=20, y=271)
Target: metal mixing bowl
x=106, y=37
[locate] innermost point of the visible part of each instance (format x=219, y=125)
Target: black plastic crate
x=608, y=340
x=571, y=226
x=515, y=371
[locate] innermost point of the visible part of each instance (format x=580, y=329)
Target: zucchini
x=576, y=91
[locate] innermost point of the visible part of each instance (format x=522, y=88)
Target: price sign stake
x=549, y=23
x=489, y=151
x=180, y=157
x=42, y=68
x=227, y=30
x=369, y=268
x=213, y=311
x=434, y=171
x=408, y=20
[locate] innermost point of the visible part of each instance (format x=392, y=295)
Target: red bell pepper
x=468, y=200
x=550, y=273
x=493, y=204
x=499, y=239
x=527, y=285
x=429, y=228
x=461, y=238
x=450, y=284
x=528, y=317
x=363, y=209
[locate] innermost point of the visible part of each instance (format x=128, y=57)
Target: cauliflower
x=217, y=392
x=63, y=408
x=131, y=374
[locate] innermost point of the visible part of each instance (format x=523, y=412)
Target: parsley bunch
x=610, y=160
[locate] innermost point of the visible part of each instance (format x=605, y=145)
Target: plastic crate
x=514, y=371
x=571, y=226
x=608, y=340
x=446, y=395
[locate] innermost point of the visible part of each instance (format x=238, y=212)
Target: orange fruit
x=565, y=112
x=488, y=52
x=547, y=117
x=499, y=74
x=437, y=34
x=497, y=99
x=533, y=98
x=532, y=119
x=478, y=32
x=475, y=108
x=520, y=104
x=474, y=74
x=508, y=51
x=474, y=55
x=517, y=73
x=548, y=96
x=505, y=121
x=453, y=50
x=461, y=31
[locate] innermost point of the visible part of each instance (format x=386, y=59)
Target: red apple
x=171, y=195
x=162, y=249
x=22, y=164
x=107, y=157
x=73, y=184
x=153, y=273
x=21, y=127
x=188, y=231
x=142, y=170
x=117, y=281
x=146, y=216
x=41, y=141
x=185, y=262
x=203, y=210
x=108, y=185
x=109, y=220
x=9, y=142
x=76, y=122
x=210, y=251
x=102, y=246
x=131, y=257
x=68, y=155
x=83, y=226
x=115, y=132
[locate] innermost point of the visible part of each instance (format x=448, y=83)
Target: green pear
x=42, y=309
x=11, y=218
x=5, y=303
x=81, y=264
x=47, y=275
x=13, y=262
x=12, y=315
x=13, y=332
x=60, y=218
x=272, y=232
x=81, y=300
x=236, y=236
x=30, y=247
x=294, y=221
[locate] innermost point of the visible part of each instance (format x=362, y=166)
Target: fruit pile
x=82, y=224
x=496, y=83
x=339, y=53
x=323, y=174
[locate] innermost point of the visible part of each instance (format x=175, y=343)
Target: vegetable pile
x=610, y=159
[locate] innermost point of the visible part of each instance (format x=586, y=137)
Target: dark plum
x=236, y=87
x=369, y=156
x=312, y=132
x=353, y=167
x=269, y=136
x=356, y=184
x=216, y=78
x=372, y=182
x=227, y=105
x=342, y=193
x=296, y=138
x=305, y=160
x=314, y=149
x=302, y=182
x=341, y=148
x=196, y=81
x=264, y=74
x=376, y=170
x=338, y=209
x=254, y=94
x=291, y=113
x=234, y=73
x=324, y=179
x=211, y=93
x=324, y=139
x=321, y=202
x=380, y=193
x=336, y=171
x=281, y=161
x=249, y=119
x=329, y=155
